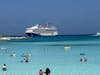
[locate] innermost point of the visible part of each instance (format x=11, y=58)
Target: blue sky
x=70, y=16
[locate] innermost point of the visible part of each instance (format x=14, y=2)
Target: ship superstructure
x=37, y=30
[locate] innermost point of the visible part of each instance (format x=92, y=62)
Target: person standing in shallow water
x=26, y=58
x=4, y=68
x=47, y=72
x=40, y=72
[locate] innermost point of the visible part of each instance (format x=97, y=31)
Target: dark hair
x=40, y=69
x=4, y=64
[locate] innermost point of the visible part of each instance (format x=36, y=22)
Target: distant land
x=12, y=37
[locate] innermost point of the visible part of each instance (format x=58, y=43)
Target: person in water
x=4, y=68
x=26, y=58
x=47, y=72
x=40, y=72
x=83, y=59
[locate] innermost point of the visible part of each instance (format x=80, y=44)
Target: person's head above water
x=40, y=69
x=4, y=64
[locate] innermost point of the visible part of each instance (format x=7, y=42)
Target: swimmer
x=83, y=59
x=4, y=67
x=26, y=60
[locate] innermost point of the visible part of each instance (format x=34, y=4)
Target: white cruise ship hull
x=42, y=34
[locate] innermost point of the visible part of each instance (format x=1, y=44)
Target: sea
x=63, y=55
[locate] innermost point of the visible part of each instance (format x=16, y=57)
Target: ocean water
x=60, y=53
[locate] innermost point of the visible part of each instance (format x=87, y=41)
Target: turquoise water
x=49, y=52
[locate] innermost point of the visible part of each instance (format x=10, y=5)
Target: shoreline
x=12, y=37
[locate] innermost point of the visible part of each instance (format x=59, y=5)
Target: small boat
x=97, y=34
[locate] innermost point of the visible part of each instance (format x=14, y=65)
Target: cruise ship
x=37, y=30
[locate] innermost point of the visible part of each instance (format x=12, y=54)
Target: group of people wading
x=47, y=71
